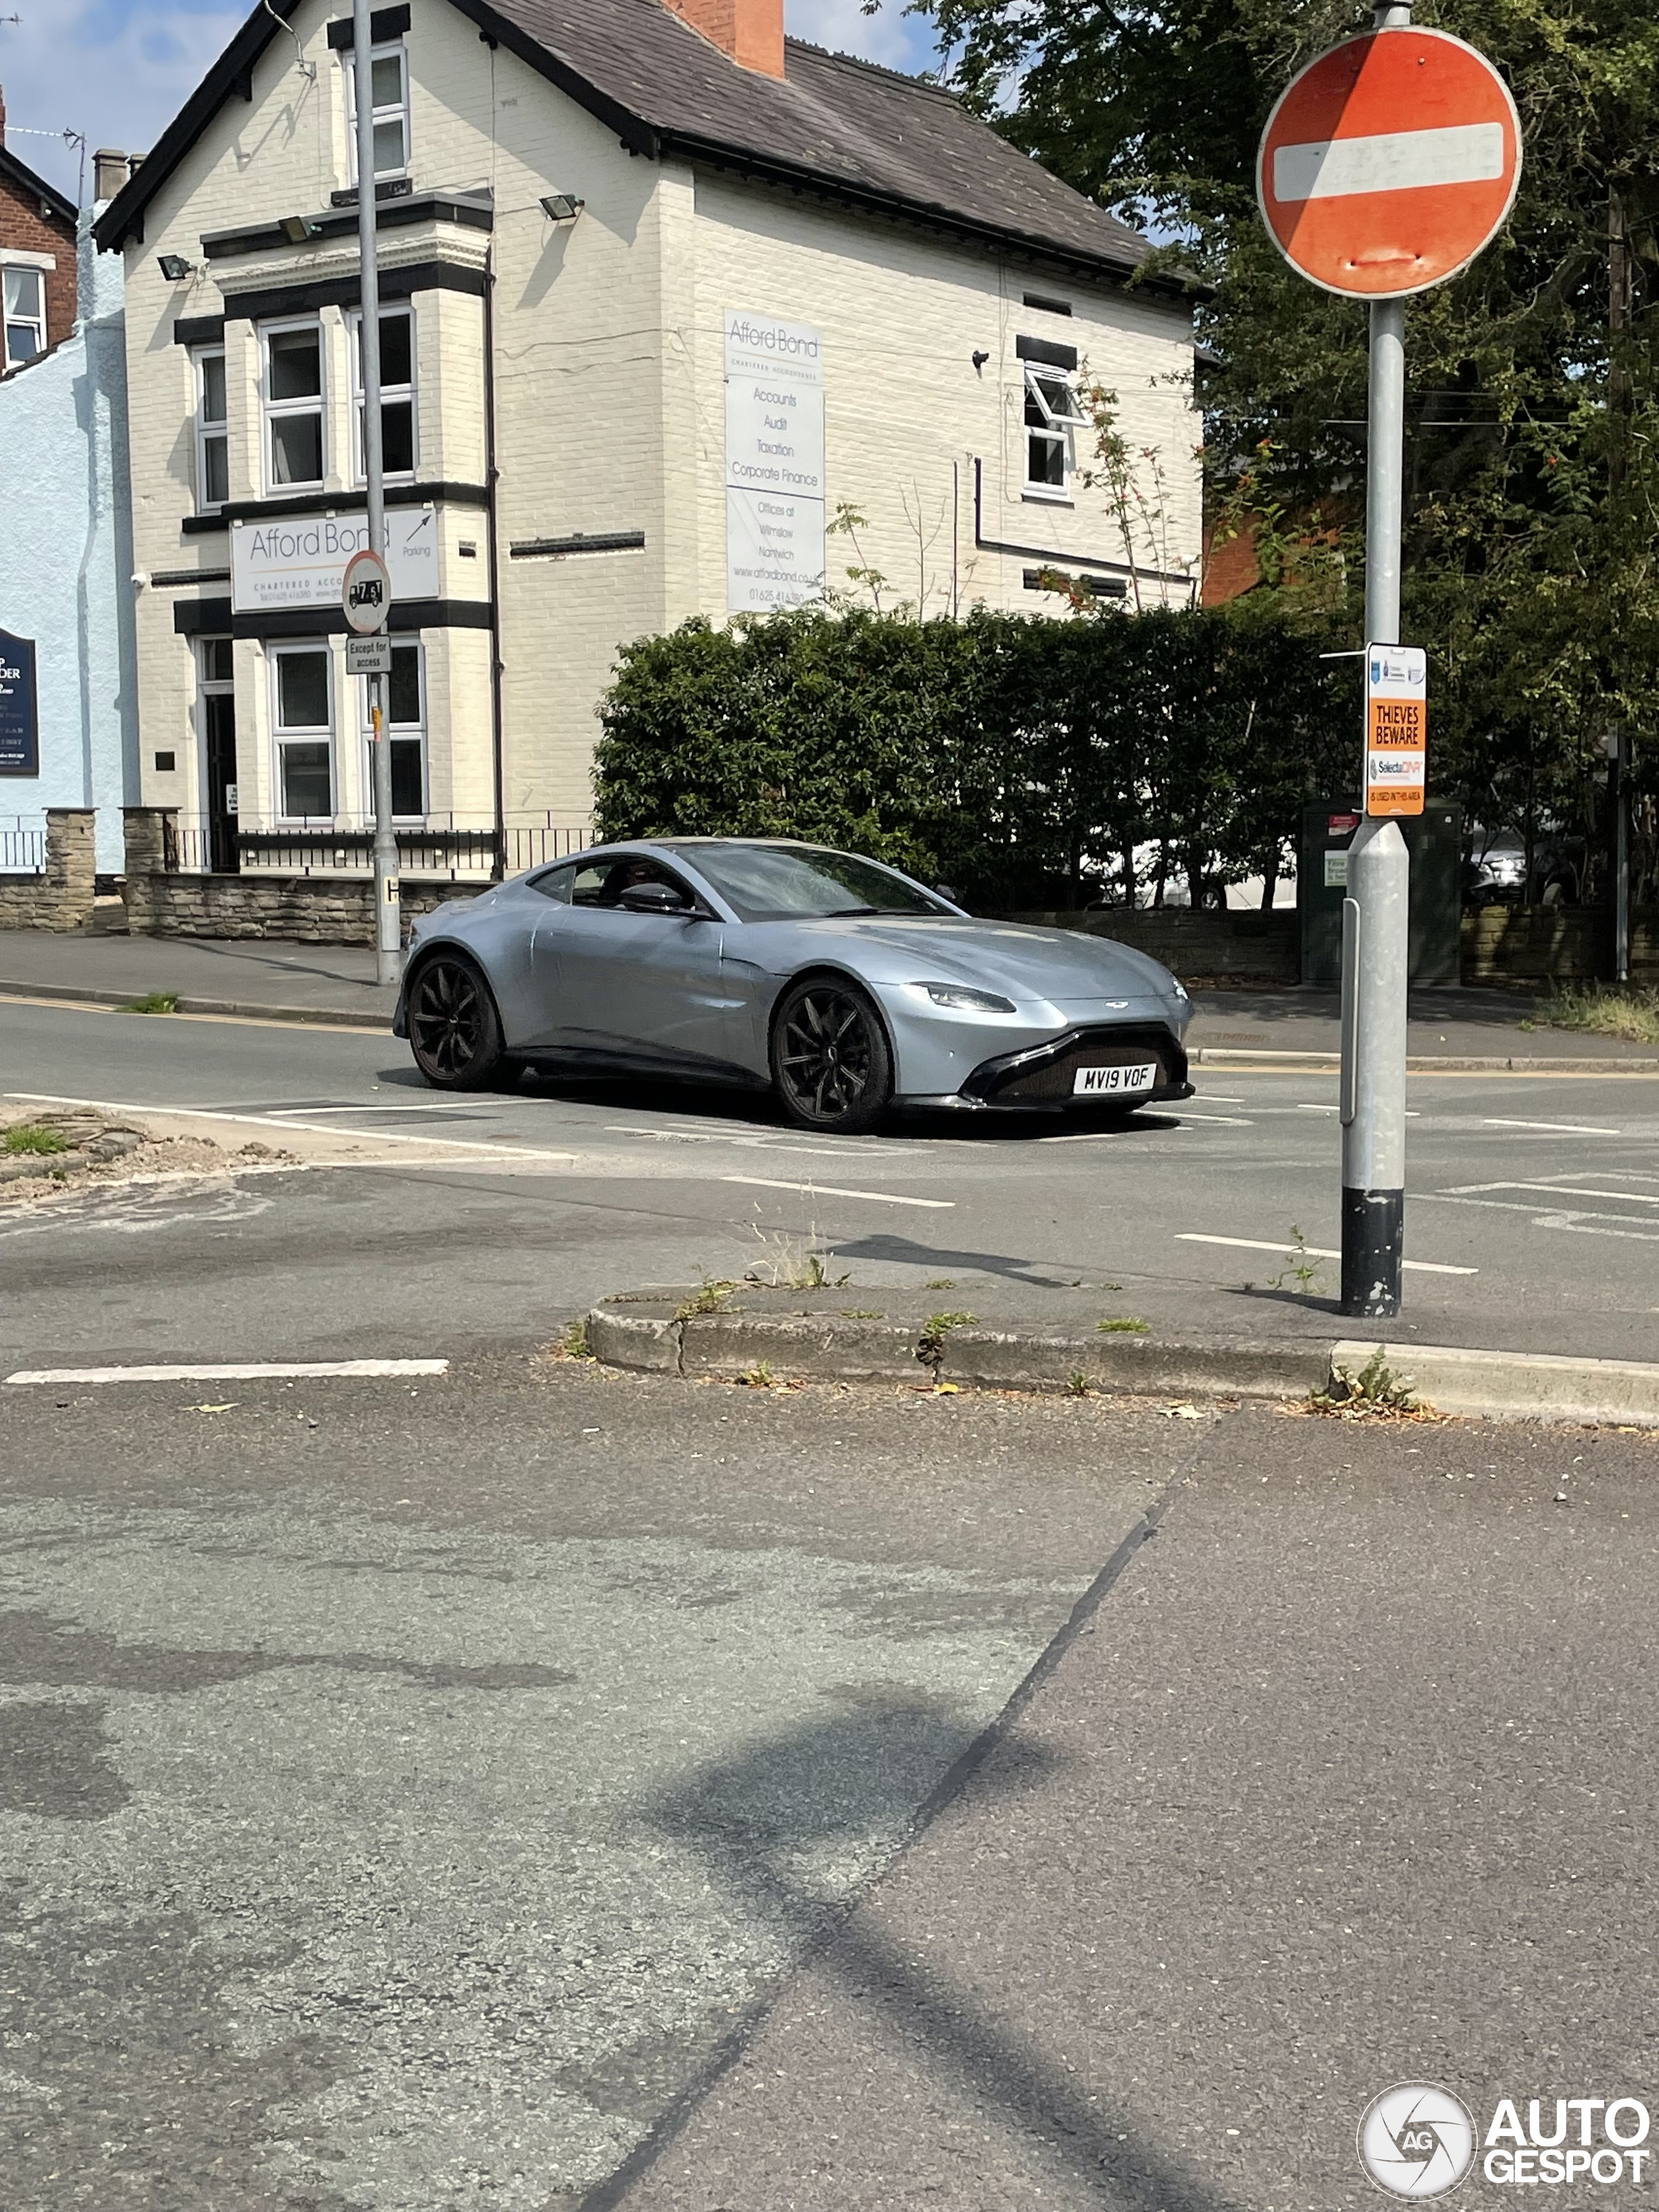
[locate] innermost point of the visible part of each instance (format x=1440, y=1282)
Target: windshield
x=771, y=883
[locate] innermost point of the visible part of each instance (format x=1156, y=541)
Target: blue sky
x=117, y=70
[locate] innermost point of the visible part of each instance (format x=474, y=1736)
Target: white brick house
x=604, y=224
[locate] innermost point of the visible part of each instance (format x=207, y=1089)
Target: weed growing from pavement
x=36, y=1137
x=573, y=1344
x=757, y=1378
x=1606, y=1009
x=709, y=1299
x=793, y=1263
x=1077, y=1383
x=1123, y=1325
x=153, y=1002
x=1300, y=1269
x=1376, y=1393
x=940, y=1283
x=862, y=1313
x=930, y=1345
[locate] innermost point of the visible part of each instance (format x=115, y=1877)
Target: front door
x=219, y=715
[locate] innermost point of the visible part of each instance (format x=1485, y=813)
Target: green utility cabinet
x=1435, y=842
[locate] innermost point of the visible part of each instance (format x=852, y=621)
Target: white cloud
x=118, y=74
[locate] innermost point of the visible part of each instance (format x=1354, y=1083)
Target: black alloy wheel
x=453, y=1027
x=830, y=1059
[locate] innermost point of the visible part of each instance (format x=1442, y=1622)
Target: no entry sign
x=1388, y=163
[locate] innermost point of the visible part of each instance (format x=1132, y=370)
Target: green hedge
x=1022, y=759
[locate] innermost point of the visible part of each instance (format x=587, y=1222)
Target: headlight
x=959, y=995
x=1180, y=987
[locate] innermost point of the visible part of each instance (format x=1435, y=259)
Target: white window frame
x=397, y=732
x=390, y=394
x=282, y=737
x=272, y=412
x=37, y=265
x=1055, y=428
x=207, y=431
x=391, y=111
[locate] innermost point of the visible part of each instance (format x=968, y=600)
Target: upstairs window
x=294, y=402
x=23, y=296
x=396, y=393
x=1052, y=413
x=212, y=435
x=388, y=91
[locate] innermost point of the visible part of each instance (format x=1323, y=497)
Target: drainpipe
x=490, y=474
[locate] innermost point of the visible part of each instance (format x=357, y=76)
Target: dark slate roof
x=844, y=129
x=19, y=174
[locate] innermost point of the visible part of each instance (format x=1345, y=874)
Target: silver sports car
x=836, y=982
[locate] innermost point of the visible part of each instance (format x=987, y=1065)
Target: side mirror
x=655, y=898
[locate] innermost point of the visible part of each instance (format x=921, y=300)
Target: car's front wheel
x=831, y=1063
x=455, y=1029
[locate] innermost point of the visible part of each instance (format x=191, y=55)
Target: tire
x=454, y=1031
x=832, y=1067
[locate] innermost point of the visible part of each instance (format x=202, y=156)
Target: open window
x=1052, y=415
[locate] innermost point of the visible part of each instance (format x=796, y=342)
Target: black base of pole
x=1373, y=1238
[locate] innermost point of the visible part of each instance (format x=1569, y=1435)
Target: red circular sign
x=1388, y=163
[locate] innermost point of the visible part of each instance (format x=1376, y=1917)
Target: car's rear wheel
x=455, y=1029
x=831, y=1064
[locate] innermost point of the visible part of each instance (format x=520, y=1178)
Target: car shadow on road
x=907, y=1254
x=806, y=1798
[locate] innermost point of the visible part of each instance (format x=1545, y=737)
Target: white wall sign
x=774, y=462
x=299, y=562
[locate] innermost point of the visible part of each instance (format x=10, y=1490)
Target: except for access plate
x=1114, y=1082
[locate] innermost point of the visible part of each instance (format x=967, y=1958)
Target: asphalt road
x=1533, y=1218
x=467, y=1796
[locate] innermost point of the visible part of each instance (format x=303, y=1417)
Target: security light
x=297, y=228
x=562, y=207
x=173, y=267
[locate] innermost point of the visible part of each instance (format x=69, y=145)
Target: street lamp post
x=388, y=922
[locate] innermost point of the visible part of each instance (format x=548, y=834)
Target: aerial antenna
x=306, y=68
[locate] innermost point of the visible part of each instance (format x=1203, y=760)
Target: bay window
x=396, y=393
x=405, y=705
x=302, y=681
x=294, y=401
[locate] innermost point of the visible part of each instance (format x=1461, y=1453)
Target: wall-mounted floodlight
x=173, y=267
x=562, y=207
x=298, y=229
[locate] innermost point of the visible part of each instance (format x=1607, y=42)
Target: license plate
x=1112, y=1082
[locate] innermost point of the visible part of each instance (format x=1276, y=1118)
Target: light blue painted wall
x=66, y=559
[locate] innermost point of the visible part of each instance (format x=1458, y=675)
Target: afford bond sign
x=300, y=561
x=774, y=462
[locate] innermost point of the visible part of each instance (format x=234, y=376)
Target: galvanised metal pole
x=1375, y=913
x=388, y=921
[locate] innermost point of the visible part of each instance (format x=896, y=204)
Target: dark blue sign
x=20, y=713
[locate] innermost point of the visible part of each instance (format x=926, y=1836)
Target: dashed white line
x=1559, y=1129
x=1314, y=1252
x=829, y=1190
x=247, y=1370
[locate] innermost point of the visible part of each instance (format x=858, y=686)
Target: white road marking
x=1225, y=1120
x=1561, y=1129
x=1543, y=1217
x=251, y=1371
x=1389, y=161
x=829, y=1190
x=1216, y=1099
x=1318, y=1109
x=1314, y=1252
x=280, y=1122
x=1554, y=1190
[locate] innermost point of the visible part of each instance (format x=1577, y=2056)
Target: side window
x=23, y=297
x=1051, y=413
x=556, y=884
x=388, y=81
x=396, y=393
x=587, y=885
x=294, y=402
x=212, y=436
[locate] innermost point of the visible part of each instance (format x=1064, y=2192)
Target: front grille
x=1044, y=1077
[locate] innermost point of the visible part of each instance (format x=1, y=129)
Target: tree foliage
x=1028, y=762
x=1533, y=400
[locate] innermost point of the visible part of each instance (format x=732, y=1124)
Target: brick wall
x=1235, y=945
x=22, y=225
x=61, y=897
x=1554, y=943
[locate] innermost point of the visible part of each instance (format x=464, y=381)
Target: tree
x=1533, y=404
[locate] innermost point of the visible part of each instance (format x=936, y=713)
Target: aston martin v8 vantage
x=835, y=981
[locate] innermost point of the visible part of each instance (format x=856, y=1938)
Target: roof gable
x=19, y=175
x=861, y=136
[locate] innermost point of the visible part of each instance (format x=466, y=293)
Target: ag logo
x=1417, y=2140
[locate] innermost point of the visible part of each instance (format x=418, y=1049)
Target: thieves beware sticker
x=1396, y=729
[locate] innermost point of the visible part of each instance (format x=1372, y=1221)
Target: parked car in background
x=841, y=985
x=1495, y=874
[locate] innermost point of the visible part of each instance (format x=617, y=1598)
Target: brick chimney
x=750, y=31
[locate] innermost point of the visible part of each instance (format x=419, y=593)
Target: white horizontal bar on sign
x=1316, y=1252
x=1395, y=161
x=247, y=1370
